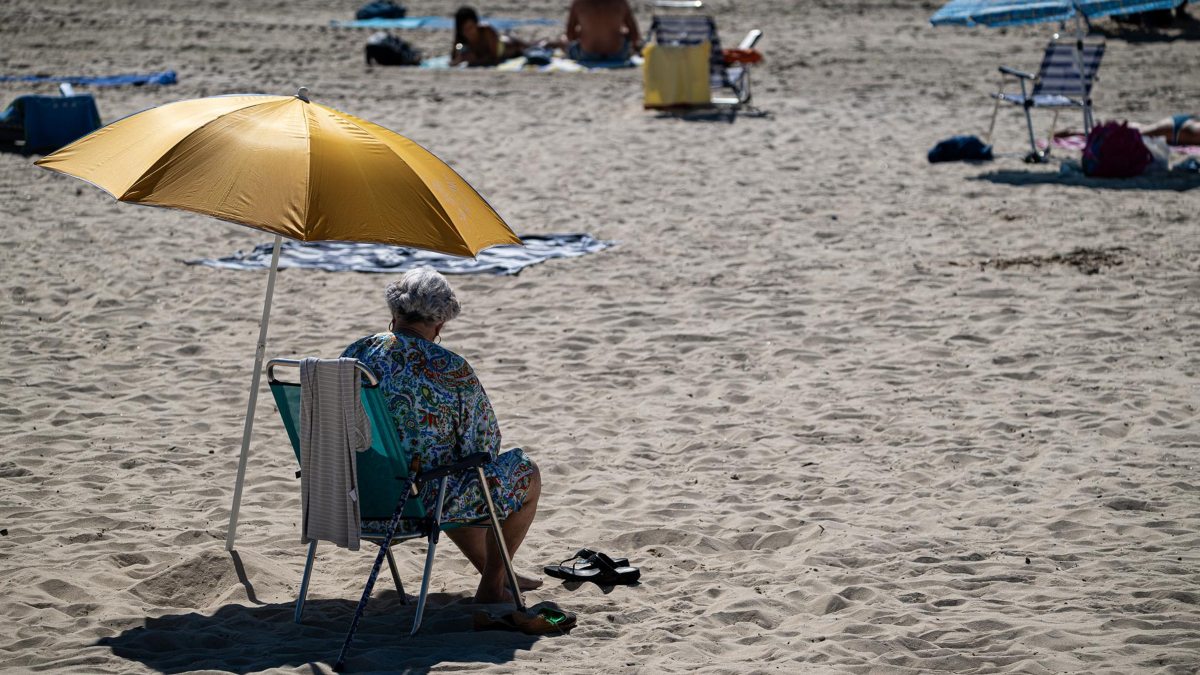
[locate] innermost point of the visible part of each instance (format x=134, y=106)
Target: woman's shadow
x=243, y=639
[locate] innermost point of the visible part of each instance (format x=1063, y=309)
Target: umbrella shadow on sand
x=1173, y=182
x=242, y=639
x=1184, y=28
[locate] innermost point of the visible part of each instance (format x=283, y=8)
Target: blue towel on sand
x=164, y=77
x=354, y=257
x=439, y=23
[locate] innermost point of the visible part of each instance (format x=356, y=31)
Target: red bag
x=1115, y=151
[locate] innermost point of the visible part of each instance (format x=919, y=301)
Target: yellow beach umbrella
x=288, y=166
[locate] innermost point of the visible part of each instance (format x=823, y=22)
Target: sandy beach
x=842, y=407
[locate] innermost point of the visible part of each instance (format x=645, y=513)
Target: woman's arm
x=477, y=428
x=573, y=23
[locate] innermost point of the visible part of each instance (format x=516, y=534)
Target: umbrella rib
x=163, y=159
x=352, y=120
x=308, y=182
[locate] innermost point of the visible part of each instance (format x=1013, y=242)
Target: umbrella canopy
x=1002, y=12
x=291, y=167
x=288, y=166
x=995, y=13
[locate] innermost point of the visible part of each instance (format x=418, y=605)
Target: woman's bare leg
x=1163, y=128
x=478, y=545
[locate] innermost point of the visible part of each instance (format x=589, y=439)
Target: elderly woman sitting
x=433, y=393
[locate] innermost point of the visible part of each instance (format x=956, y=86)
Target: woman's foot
x=498, y=592
x=488, y=594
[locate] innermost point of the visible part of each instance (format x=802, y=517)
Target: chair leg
x=1029, y=122
x=1050, y=135
x=514, y=585
x=995, y=109
x=308, y=566
x=434, y=534
x=396, y=576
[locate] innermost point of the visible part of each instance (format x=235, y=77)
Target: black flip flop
x=596, y=567
x=581, y=567
x=612, y=573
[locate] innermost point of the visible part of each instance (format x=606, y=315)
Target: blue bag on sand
x=47, y=123
x=959, y=149
x=381, y=9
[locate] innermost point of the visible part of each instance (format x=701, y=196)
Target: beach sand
x=803, y=394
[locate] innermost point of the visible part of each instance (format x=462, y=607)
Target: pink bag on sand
x=1115, y=151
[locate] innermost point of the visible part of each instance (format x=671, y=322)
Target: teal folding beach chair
x=387, y=487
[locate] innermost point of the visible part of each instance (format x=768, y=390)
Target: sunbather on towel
x=478, y=44
x=1177, y=129
x=434, y=396
x=602, y=30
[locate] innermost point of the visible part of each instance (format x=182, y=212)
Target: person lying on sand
x=1178, y=130
x=434, y=396
x=478, y=44
x=601, y=30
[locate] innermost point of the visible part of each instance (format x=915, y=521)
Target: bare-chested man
x=601, y=30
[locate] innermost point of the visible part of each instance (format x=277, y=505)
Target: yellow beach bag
x=676, y=75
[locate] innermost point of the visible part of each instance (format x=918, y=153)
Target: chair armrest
x=469, y=462
x=751, y=39
x=1017, y=73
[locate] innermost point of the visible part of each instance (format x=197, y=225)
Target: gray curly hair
x=422, y=295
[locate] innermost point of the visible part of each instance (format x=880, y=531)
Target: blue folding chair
x=1064, y=80
x=388, y=483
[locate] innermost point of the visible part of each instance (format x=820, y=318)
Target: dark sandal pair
x=594, y=566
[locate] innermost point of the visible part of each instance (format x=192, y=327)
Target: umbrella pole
x=254, y=379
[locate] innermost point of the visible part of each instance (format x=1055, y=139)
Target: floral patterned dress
x=438, y=404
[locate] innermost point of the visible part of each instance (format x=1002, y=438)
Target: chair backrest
x=381, y=468
x=691, y=29
x=1059, y=73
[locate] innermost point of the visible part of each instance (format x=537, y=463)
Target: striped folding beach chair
x=695, y=29
x=1064, y=80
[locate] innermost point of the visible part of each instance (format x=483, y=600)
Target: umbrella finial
x=302, y=94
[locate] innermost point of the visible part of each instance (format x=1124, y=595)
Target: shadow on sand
x=727, y=115
x=1173, y=182
x=1185, y=28
x=243, y=639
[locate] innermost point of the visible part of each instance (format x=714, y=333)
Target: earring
x=437, y=339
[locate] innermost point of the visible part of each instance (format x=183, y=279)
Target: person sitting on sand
x=1178, y=130
x=601, y=30
x=478, y=44
x=434, y=392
